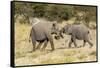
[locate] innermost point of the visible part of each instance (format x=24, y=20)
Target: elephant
x=42, y=33
x=77, y=31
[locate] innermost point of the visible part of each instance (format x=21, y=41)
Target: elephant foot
x=83, y=45
x=78, y=46
x=34, y=50
x=52, y=49
x=42, y=49
x=30, y=51
x=37, y=48
x=69, y=47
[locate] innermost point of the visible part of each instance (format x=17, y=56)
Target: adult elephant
x=77, y=31
x=41, y=32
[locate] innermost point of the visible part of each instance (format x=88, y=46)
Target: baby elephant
x=77, y=31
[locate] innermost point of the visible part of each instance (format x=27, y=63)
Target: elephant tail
x=29, y=37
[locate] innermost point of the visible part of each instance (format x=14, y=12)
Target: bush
x=54, y=12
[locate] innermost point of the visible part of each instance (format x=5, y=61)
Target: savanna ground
x=61, y=54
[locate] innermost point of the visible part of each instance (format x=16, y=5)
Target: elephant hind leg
x=39, y=45
x=45, y=45
x=34, y=43
x=91, y=44
x=34, y=46
x=87, y=40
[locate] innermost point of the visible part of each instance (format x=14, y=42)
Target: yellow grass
x=61, y=54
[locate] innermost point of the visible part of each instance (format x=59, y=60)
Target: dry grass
x=61, y=54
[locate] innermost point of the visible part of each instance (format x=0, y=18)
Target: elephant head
x=64, y=30
x=54, y=28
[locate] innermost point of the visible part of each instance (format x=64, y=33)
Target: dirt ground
x=61, y=54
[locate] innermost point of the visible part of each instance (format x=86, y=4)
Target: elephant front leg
x=70, y=42
x=75, y=43
x=34, y=44
x=91, y=44
x=51, y=41
x=74, y=40
x=52, y=45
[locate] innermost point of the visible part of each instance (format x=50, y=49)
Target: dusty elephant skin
x=77, y=31
x=41, y=33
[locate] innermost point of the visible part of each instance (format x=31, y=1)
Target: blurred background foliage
x=54, y=12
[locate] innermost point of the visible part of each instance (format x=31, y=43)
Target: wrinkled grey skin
x=41, y=33
x=77, y=31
